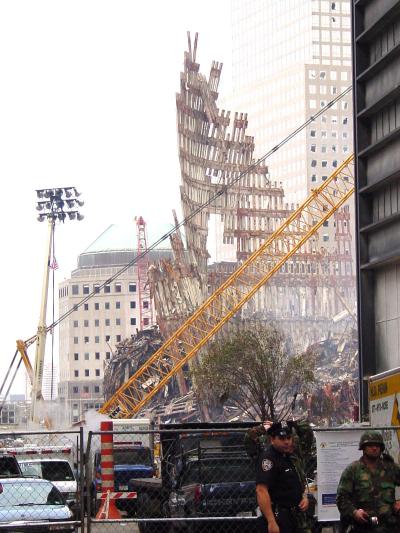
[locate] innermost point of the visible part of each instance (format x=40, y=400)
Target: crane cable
x=196, y=211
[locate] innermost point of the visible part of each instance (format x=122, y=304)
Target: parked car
x=9, y=466
x=27, y=500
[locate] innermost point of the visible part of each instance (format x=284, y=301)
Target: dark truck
x=204, y=474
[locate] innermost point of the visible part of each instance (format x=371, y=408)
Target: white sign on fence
x=335, y=450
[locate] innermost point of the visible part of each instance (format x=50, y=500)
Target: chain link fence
x=187, y=480
x=41, y=481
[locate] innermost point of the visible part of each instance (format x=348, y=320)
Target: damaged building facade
x=215, y=154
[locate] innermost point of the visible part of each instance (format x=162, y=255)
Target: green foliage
x=257, y=369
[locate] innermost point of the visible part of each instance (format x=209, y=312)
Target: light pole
x=53, y=205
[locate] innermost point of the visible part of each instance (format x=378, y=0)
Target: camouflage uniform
x=371, y=490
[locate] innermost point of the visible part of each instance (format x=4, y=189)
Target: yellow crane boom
x=233, y=294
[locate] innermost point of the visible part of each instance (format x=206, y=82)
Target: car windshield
x=25, y=493
x=51, y=470
x=132, y=457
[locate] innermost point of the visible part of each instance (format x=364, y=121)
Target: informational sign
x=335, y=451
x=384, y=401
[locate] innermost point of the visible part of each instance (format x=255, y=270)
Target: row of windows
x=333, y=148
x=334, y=134
x=107, y=305
x=87, y=289
x=333, y=75
x=85, y=389
x=87, y=356
x=323, y=89
x=324, y=164
x=313, y=104
x=107, y=338
x=87, y=373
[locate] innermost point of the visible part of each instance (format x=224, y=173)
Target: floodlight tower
x=53, y=205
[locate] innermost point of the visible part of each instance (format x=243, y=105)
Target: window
x=97, y=372
x=107, y=289
x=75, y=290
x=118, y=287
x=323, y=148
x=322, y=103
x=343, y=76
x=86, y=372
x=314, y=177
x=133, y=321
x=146, y=321
x=324, y=178
x=132, y=287
x=96, y=323
x=312, y=74
x=333, y=90
x=314, y=163
x=345, y=106
x=325, y=238
x=96, y=389
x=324, y=164
x=333, y=147
x=107, y=321
x=86, y=388
x=145, y=304
x=86, y=307
x=76, y=373
x=75, y=390
x=117, y=305
x=86, y=323
x=96, y=287
x=334, y=163
x=97, y=355
x=323, y=134
x=108, y=355
x=107, y=338
x=313, y=104
x=76, y=340
x=76, y=323
x=76, y=356
x=107, y=306
x=345, y=149
x=323, y=118
x=322, y=75
x=117, y=321
x=96, y=339
x=133, y=305
x=345, y=121
x=326, y=223
x=86, y=289
x=86, y=356
x=86, y=340
x=312, y=133
x=96, y=306
x=118, y=338
x=312, y=148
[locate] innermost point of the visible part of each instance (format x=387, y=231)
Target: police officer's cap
x=280, y=429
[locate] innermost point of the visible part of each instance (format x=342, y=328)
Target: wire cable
x=200, y=208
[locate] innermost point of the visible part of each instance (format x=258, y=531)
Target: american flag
x=54, y=264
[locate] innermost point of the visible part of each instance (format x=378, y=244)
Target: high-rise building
x=89, y=335
x=290, y=58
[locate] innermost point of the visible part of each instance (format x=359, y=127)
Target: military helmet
x=371, y=437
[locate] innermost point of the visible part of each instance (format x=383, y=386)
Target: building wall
x=289, y=60
x=376, y=45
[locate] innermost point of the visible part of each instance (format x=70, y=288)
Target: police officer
x=366, y=490
x=280, y=485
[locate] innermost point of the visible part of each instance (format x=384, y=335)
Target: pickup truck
x=204, y=474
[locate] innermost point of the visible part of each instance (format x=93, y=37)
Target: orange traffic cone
x=108, y=510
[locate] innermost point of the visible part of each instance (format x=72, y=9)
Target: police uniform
x=280, y=474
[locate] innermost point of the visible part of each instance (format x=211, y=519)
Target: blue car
x=28, y=500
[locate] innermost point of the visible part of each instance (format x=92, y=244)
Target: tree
x=257, y=370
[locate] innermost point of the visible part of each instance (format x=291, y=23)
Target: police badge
x=266, y=465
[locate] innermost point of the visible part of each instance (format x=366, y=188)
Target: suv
x=9, y=466
x=213, y=481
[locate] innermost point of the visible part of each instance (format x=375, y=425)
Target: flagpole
x=41, y=331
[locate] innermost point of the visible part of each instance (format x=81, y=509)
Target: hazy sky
x=87, y=99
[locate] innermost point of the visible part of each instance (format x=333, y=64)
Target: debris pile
x=129, y=355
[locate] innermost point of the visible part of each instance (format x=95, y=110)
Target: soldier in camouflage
x=366, y=491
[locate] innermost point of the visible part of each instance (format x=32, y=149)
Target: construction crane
x=142, y=265
x=226, y=301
